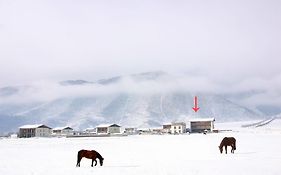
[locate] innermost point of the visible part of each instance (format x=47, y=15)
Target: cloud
x=251, y=93
x=210, y=46
x=46, y=40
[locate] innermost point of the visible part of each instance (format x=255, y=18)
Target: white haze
x=224, y=41
x=261, y=91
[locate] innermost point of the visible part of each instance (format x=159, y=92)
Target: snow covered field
x=257, y=153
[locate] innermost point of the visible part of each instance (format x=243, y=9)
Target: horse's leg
x=95, y=162
x=78, y=161
x=92, y=162
x=225, y=147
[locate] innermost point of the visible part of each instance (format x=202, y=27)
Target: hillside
x=139, y=100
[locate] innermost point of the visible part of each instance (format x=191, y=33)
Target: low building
x=145, y=131
x=38, y=130
x=131, y=131
x=178, y=128
x=202, y=125
x=167, y=128
x=108, y=129
x=63, y=130
x=158, y=131
x=91, y=130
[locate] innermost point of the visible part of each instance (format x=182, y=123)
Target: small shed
x=37, y=130
x=108, y=129
x=202, y=125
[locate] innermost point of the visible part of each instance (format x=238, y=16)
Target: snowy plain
x=258, y=153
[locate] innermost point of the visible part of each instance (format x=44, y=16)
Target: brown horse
x=228, y=141
x=89, y=154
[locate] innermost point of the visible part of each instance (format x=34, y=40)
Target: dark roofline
x=114, y=125
x=44, y=126
x=68, y=128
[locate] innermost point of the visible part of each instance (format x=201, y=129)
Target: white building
x=38, y=130
x=178, y=128
x=90, y=130
x=108, y=129
x=131, y=131
x=63, y=131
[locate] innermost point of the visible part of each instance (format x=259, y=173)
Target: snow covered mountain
x=140, y=100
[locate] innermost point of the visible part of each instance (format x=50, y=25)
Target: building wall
x=166, y=126
x=131, y=131
x=91, y=130
x=178, y=129
x=63, y=132
x=57, y=131
x=34, y=132
x=200, y=126
x=102, y=130
x=42, y=132
x=67, y=131
x=112, y=130
x=26, y=133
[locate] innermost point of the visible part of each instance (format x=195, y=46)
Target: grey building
x=202, y=125
x=38, y=130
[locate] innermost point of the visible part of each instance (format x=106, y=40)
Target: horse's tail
x=234, y=144
x=78, y=157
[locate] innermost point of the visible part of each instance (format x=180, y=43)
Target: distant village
x=202, y=125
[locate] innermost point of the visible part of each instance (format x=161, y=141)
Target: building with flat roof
x=202, y=125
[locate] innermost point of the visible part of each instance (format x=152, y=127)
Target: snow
x=61, y=128
x=30, y=126
x=257, y=153
x=202, y=120
x=141, y=100
x=105, y=125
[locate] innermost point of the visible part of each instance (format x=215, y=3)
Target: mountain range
x=139, y=100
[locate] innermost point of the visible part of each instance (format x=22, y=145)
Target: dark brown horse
x=89, y=154
x=228, y=141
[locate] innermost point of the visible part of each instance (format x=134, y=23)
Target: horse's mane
x=99, y=156
x=221, y=145
x=223, y=142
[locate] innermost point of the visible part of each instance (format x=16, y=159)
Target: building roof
x=62, y=128
x=167, y=124
x=34, y=126
x=202, y=120
x=103, y=125
x=178, y=123
x=90, y=128
x=107, y=125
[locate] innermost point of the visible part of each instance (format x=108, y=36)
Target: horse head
x=220, y=147
x=101, y=161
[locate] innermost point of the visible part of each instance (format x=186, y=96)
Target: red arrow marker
x=195, y=108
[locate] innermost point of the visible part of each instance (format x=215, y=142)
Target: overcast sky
x=221, y=40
